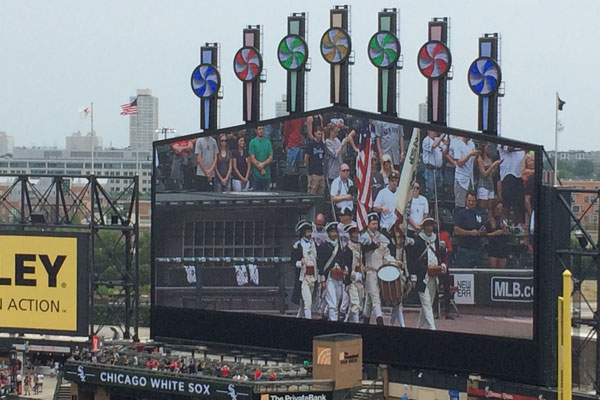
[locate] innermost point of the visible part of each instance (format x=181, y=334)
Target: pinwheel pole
x=384, y=53
x=434, y=61
x=206, y=82
x=336, y=47
x=292, y=54
x=247, y=65
x=488, y=105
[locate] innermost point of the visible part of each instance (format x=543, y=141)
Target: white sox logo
x=231, y=392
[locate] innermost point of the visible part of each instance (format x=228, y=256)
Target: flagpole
x=556, y=140
x=92, y=134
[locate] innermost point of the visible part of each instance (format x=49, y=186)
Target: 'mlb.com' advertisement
x=38, y=282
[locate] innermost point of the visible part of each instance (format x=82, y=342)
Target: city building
x=107, y=162
x=82, y=143
x=586, y=206
x=143, y=125
x=6, y=143
x=281, y=107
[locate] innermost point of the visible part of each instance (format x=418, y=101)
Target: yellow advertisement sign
x=38, y=282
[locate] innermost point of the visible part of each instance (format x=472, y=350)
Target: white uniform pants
x=307, y=288
x=356, y=292
x=333, y=297
x=372, y=299
x=426, y=319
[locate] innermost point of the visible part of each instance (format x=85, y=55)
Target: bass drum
x=391, y=285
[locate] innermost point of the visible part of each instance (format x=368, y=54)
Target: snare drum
x=390, y=285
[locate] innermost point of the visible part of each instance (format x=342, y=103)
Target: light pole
x=164, y=130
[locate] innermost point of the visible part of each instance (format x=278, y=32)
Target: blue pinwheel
x=484, y=76
x=205, y=80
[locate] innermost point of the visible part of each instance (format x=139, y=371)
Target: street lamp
x=164, y=130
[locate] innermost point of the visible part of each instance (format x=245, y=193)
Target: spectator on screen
x=342, y=189
x=241, y=167
x=261, y=156
x=385, y=204
x=487, y=172
x=469, y=228
x=419, y=210
x=449, y=167
x=389, y=138
x=292, y=139
x=206, y=155
x=528, y=176
x=224, y=166
x=497, y=227
x=334, y=149
x=512, y=192
x=464, y=154
x=313, y=158
x=433, y=158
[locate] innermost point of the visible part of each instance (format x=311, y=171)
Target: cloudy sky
x=60, y=55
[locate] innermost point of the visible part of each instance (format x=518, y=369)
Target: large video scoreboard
x=221, y=249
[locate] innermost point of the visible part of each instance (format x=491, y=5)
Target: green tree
x=584, y=169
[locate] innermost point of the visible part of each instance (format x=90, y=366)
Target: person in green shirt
x=261, y=156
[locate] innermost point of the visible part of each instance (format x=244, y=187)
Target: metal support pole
x=136, y=299
x=556, y=141
x=597, y=302
x=565, y=347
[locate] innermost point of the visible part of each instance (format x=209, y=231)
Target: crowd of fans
x=155, y=358
x=318, y=153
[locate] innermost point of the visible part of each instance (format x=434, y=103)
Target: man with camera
x=342, y=190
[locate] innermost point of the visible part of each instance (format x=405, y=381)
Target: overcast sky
x=60, y=55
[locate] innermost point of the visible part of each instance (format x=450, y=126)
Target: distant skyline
x=60, y=56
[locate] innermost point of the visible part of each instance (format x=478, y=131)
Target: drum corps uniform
x=353, y=260
x=304, y=257
x=422, y=255
x=331, y=271
x=376, y=253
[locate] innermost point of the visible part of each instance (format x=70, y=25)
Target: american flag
x=129, y=108
x=364, y=165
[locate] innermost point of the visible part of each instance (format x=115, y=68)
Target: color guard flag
x=129, y=108
x=364, y=164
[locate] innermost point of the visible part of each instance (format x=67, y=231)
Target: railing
x=59, y=380
x=294, y=385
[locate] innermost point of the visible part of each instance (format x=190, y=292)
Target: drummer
x=353, y=260
x=376, y=253
x=425, y=265
x=304, y=257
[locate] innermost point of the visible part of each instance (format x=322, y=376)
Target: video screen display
x=349, y=218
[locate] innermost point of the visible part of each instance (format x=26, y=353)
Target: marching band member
x=304, y=257
x=377, y=253
x=331, y=270
x=425, y=266
x=353, y=261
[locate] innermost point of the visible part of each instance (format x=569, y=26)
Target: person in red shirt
x=257, y=374
x=225, y=371
x=292, y=138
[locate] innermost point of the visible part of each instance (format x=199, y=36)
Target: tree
x=583, y=169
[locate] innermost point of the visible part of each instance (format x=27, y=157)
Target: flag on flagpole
x=559, y=103
x=84, y=112
x=129, y=108
x=407, y=177
x=364, y=165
